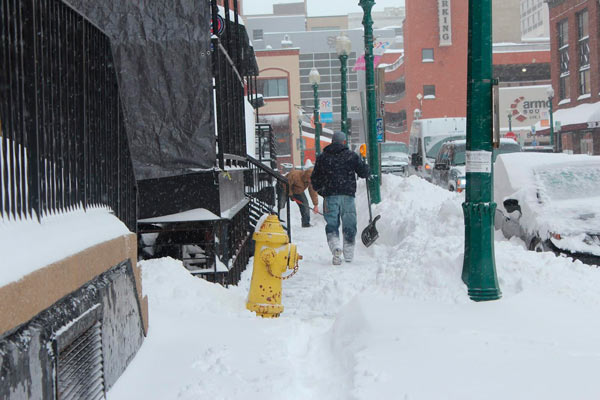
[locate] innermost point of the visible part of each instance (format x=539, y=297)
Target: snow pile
x=28, y=245
x=394, y=324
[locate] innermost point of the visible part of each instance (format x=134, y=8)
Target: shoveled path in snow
x=394, y=324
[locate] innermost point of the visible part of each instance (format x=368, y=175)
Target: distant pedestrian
x=334, y=178
x=299, y=181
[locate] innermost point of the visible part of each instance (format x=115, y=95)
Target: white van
x=427, y=137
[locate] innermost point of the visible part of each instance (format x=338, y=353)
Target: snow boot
x=334, y=245
x=348, y=252
x=337, y=259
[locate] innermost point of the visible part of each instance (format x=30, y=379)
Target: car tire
x=451, y=188
x=538, y=245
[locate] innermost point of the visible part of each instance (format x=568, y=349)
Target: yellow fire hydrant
x=273, y=255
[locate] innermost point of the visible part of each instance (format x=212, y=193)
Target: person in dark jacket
x=334, y=178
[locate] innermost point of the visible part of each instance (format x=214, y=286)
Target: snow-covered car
x=394, y=158
x=550, y=201
x=449, y=168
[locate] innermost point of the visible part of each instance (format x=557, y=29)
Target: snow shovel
x=304, y=205
x=369, y=235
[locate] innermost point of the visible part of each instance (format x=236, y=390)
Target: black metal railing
x=63, y=141
x=266, y=151
x=231, y=121
x=267, y=190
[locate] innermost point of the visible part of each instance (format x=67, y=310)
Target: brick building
x=433, y=65
x=575, y=61
x=431, y=74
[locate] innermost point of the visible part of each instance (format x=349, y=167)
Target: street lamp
x=509, y=115
x=550, y=93
x=375, y=181
x=314, y=78
x=343, y=46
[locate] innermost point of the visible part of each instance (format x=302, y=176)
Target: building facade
x=431, y=74
x=279, y=83
x=575, y=58
x=535, y=19
x=318, y=50
x=505, y=13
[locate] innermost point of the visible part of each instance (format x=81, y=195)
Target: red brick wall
x=448, y=72
x=569, y=9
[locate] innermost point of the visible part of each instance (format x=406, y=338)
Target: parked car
x=449, y=168
x=394, y=158
x=551, y=201
x=427, y=137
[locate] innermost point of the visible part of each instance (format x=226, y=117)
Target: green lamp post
x=373, y=149
x=550, y=93
x=315, y=78
x=301, y=139
x=479, y=268
x=343, y=46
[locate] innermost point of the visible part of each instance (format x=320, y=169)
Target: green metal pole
x=344, y=73
x=479, y=268
x=317, y=122
x=373, y=149
x=509, y=123
x=551, y=125
x=301, y=140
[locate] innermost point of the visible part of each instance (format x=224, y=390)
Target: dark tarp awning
x=162, y=53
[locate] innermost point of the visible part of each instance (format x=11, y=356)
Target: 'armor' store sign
x=445, y=22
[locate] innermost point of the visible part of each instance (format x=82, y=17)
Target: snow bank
x=26, y=246
x=394, y=324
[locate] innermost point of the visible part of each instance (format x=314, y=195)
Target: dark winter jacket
x=335, y=169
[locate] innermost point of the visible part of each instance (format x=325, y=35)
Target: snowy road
x=394, y=324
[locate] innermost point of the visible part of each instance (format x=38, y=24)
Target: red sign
x=511, y=135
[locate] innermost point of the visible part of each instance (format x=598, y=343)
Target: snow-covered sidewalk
x=395, y=324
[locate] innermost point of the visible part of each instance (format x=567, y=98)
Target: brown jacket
x=300, y=180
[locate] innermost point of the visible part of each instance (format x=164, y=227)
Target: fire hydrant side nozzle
x=273, y=256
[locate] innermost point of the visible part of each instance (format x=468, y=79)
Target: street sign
x=379, y=129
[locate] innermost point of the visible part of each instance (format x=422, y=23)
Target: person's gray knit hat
x=338, y=137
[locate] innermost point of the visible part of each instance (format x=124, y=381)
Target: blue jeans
x=336, y=208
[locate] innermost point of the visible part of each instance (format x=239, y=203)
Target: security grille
x=80, y=367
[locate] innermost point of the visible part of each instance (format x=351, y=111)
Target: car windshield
x=387, y=149
x=569, y=182
x=434, y=143
x=459, y=155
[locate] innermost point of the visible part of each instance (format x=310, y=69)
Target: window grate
x=80, y=367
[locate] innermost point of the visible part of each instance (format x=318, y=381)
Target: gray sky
x=318, y=7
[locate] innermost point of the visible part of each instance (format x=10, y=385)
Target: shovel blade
x=369, y=235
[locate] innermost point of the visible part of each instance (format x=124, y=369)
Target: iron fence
x=231, y=121
x=63, y=140
x=267, y=190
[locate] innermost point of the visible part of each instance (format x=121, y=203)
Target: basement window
x=79, y=363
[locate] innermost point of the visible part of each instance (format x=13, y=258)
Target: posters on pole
x=326, y=110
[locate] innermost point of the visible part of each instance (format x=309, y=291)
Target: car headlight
x=461, y=182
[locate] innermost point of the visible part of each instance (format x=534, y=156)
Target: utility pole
x=373, y=148
x=479, y=267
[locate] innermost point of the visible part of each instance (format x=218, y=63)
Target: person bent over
x=298, y=182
